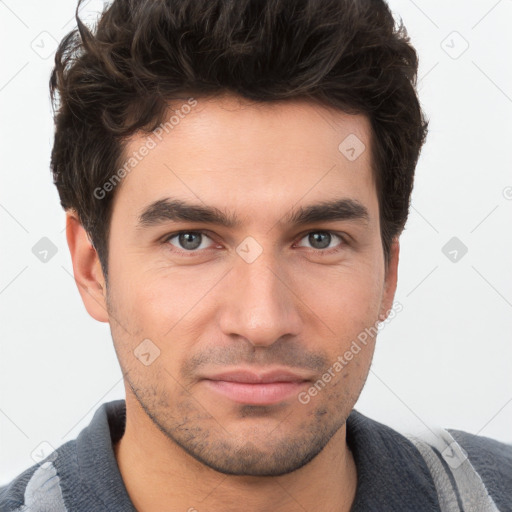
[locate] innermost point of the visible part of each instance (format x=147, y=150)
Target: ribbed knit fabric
x=83, y=476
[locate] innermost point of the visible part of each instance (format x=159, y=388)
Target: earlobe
x=86, y=268
x=390, y=281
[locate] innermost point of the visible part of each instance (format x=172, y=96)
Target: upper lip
x=258, y=377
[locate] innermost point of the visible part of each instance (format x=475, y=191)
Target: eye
x=194, y=241
x=189, y=241
x=321, y=240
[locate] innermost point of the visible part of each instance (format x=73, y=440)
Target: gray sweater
x=82, y=475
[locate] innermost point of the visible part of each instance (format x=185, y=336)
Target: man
x=236, y=175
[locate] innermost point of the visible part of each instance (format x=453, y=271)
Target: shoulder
x=430, y=464
x=74, y=475
x=484, y=450
x=37, y=488
x=12, y=494
x=468, y=469
x=492, y=460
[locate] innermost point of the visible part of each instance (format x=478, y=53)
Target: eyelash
x=332, y=250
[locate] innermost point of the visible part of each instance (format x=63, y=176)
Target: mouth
x=257, y=388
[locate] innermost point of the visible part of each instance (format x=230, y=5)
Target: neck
x=160, y=475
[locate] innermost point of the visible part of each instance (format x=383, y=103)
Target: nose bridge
x=259, y=304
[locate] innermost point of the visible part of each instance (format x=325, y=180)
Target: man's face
x=266, y=293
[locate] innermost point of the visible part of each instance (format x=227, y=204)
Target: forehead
x=250, y=155
x=249, y=126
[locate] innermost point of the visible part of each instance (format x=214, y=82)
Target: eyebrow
x=168, y=209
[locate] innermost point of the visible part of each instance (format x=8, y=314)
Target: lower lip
x=256, y=394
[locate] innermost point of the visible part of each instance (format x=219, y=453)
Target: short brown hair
x=347, y=54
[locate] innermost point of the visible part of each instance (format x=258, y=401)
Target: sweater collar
x=391, y=474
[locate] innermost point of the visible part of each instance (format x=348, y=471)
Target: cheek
x=346, y=298
x=137, y=289
x=158, y=301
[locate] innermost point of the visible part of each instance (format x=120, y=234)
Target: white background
x=445, y=359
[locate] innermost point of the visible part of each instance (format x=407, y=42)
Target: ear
x=86, y=269
x=390, y=280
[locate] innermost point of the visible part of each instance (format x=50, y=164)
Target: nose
x=259, y=303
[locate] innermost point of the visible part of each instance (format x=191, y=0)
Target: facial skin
x=209, y=310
